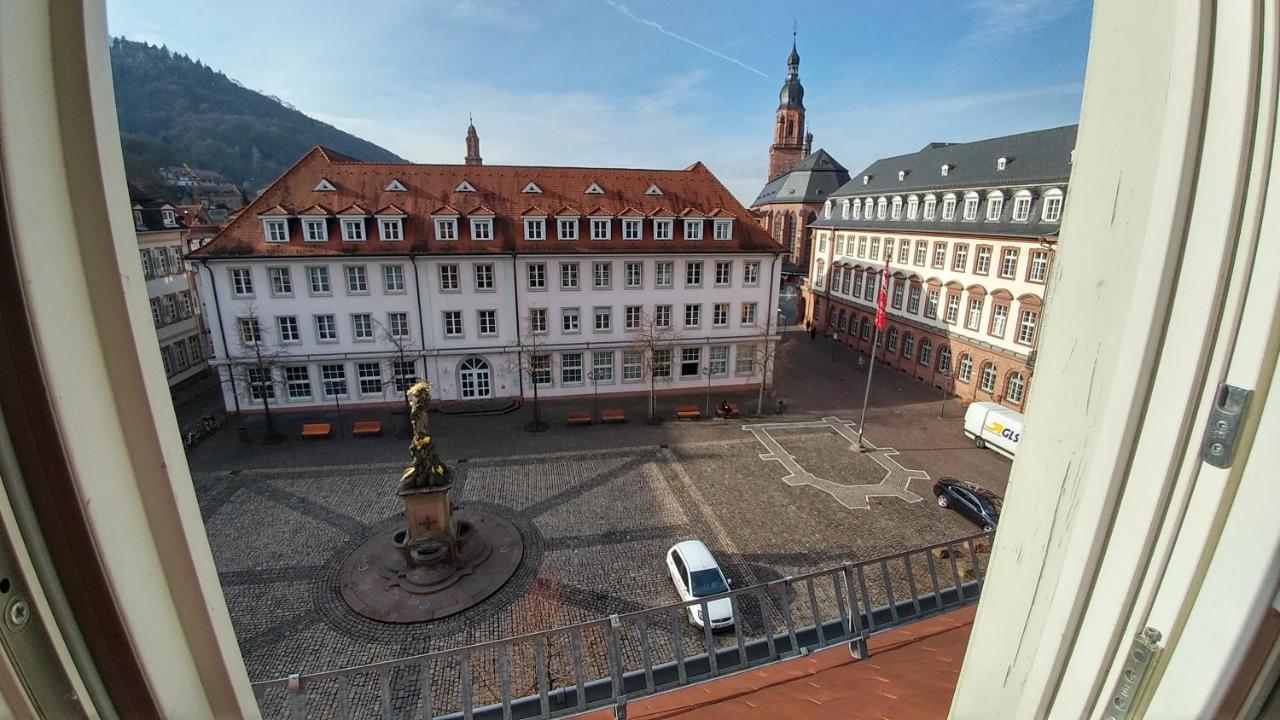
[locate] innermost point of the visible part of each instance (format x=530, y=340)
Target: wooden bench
x=366, y=428
x=316, y=430
x=688, y=412
x=733, y=411
x=612, y=415
x=578, y=417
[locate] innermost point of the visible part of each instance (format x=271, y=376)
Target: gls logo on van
x=1003, y=431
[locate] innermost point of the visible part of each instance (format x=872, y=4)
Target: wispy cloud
x=1010, y=18
x=957, y=103
x=658, y=26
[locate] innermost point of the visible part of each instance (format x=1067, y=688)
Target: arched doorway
x=475, y=379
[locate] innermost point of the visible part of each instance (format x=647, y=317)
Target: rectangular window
x=888, y=249
x=569, y=320
x=536, y=273
x=869, y=292
x=180, y=357
x=569, y=276
x=1027, y=326
x=369, y=375
x=953, y=308
x=631, y=229
x=862, y=246
x=281, y=281
x=318, y=277
x=362, y=327
x=875, y=248
x=751, y=273
x=603, y=319
x=931, y=304
x=913, y=300
x=353, y=230
x=1021, y=208
x=390, y=229
x=146, y=263
x=999, y=317
x=745, y=361
x=288, y=329
x=748, y=314
x=568, y=228
x=602, y=275
x=1009, y=263
x=922, y=252
x=535, y=229
x=537, y=320
x=974, y=317
x=357, y=280
x=634, y=272
x=724, y=272
x=632, y=365
x=662, y=363
x=250, y=332
x=326, y=328
x=693, y=273
x=393, y=278
x=488, y=322
x=453, y=323
x=692, y=229
x=904, y=252
x=297, y=382
x=540, y=370
x=277, y=231
x=333, y=379
x=314, y=231
x=449, y=278
x=184, y=299
x=398, y=324
x=718, y=360
x=446, y=229
x=723, y=229
x=1039, y=268
x=1052, y=211
x=898, y=290
x=662, y=316
x=483, y=276
x=982, y=265
x=602, y=366
x=170, y=308
x=690, y=362
x=481, y=229
x=720, y=315
x=939, y=254
x=692, y=315
x=663, y=271
x=929, y=206
x=405, y=373
x=241, y=282
x=949, y=208
x=260, y=385
x=971, y=207
x=662, y=229
x=570, y=368
x=960, y=258
x=600, y=229
x=632, y=317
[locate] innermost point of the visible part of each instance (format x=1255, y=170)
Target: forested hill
x=174, y=110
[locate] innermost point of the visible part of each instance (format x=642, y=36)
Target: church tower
x=788, y=146
x=473, y=145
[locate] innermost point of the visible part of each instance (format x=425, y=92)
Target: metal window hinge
x=1219, y=446
x=1136, y=669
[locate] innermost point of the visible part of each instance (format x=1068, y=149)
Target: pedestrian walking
x=813, y=332
x=862, y=362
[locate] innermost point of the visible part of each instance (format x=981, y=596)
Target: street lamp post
x=835, y=343
x=595, y=395
x=946, y=378
x=331, y=386
x=706, y=370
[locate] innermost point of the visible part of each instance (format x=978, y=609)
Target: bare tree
x=656, y=339
x=765, y=357
x=404, y=350
x=533, y=362
x=255, y=365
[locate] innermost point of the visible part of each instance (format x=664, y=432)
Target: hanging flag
x=883, y=298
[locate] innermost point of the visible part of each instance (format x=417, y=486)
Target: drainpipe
x=222, y=331
x=515, y=294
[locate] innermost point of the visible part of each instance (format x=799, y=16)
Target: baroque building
x=359, y=277
x=969, y=232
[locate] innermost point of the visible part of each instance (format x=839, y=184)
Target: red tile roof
x=498, y=192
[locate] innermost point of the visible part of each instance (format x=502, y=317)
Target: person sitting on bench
x=725, y=410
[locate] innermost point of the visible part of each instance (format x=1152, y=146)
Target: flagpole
x=882, y=299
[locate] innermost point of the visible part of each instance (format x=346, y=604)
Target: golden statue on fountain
x=427, y=471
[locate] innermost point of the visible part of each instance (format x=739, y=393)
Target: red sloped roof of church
x=498, y=191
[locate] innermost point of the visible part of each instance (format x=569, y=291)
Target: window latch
x=1229, y=407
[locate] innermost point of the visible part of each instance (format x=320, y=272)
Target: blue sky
x=642, y=84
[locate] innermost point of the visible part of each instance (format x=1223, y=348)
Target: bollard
x=781, y=406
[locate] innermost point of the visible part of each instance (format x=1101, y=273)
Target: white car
x=696, y=575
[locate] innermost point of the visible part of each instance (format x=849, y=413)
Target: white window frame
x=275, y=230
x=566, y=229
x=350, y=272
x=722, y=229
x=570, y=276
x=393, y=272
x=391, y=229
x=451, y=324
x=446, y=229
x=487, y=317
x=362, y=327
x=633, y=274
x=663, y=229
x=751, y=273
x=632, y=228
x=353, y=229
x=601, y=228
x=241, y=289
x=570, y=321
x=971, y=202
x=317, y=273
x=1022, y=206
x=315, y=229
x=482, y=273
x=995, y=205
x=482, y=229
x=535, y=272
x=1051, y=206
x=449, y=277
x=535, y=229
x=693, y=229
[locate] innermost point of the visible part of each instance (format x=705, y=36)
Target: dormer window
x=168, y=217
x=844, y=210
x=662, y=229
x=913, y=206
x=593, y=189
x=723, y=229
x=693, y=229
x=137, y=218
x=315, y=230
x=353, y=229
x=391, y=229
x=1051, y=206
x=567, y=228
x=949, y=206
x=653, y=190
x=1001, y=163
x=902, y=175
x=881, y=205
x=866, y=208
x=1022, y=206
x=481, y=228
x=630, y=229
x=531, y=187
x=601, y=228
x=446, y=229
x=535, y=228
x=465, y=186
x=395, y=186
x=971, y=206
x=946, y=169
x=995, y=205
x=826, y=209
x=866, y=179
x=324, y=186
x=895, y=211
x=857, y=208
x=276, y=230
x=930, y=205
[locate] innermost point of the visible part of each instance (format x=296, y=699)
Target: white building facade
x=968, y=232
x=485, y=279
x=171, y=289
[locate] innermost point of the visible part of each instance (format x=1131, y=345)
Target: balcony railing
x=603, y=662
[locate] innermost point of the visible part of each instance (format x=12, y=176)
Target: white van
x=995, y=426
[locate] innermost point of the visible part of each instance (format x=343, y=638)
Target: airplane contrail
x=656, y=26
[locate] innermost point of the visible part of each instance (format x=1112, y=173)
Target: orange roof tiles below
x=498, y=191
x=910, y=674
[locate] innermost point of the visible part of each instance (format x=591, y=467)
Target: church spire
x=473, y=144
x=789, y=138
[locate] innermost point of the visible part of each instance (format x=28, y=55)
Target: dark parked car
x=975, y=503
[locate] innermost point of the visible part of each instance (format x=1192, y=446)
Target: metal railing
x=602, y=662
